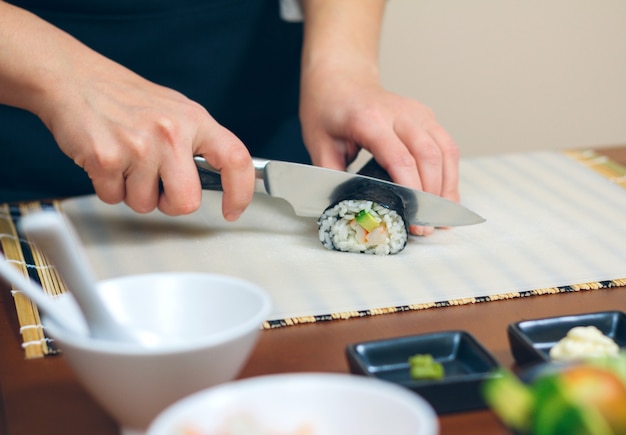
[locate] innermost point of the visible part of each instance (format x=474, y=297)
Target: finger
x=450, y=165
x=426, y=154
x=437, y=158
x=430, y=164
x=449, y=168
x=331, y=153
x=181, y=185
x=399, y=173
x=428, y=161
x=106, y=176
x=110, y=189
x=392, y=154
x=233, y=160
x=450, y=160
x=237, y=174
x=142, y=187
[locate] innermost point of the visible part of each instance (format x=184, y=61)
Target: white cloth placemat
x=551, y=222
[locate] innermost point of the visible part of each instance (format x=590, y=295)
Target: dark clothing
x=237, y=58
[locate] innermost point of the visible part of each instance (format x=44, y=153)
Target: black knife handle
x=210, y=177
x=210, y=180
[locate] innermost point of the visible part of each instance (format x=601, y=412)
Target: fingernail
x=416, y=230
x=232, y=215
x=427, y=231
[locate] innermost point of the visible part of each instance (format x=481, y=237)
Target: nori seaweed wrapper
x=374, y=170
x=335, y=232
x=366, y=190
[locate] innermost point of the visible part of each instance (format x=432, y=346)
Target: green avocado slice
x=367, y=220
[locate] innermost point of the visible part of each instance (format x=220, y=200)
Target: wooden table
x=42, y=396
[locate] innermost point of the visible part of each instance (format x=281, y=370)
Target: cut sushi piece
x=365, y=218
x=340, y=230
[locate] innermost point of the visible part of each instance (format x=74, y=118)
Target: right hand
x=128, y=134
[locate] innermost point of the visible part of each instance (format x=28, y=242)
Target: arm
x=127, y=133
x=343, y=106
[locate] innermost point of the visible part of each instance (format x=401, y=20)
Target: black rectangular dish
x=531, y=340
x=466, y=365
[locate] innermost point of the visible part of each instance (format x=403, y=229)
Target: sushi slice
x=364, y=218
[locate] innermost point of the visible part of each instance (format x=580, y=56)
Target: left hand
x=341, y=114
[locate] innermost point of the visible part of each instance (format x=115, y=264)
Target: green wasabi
x=424, y=366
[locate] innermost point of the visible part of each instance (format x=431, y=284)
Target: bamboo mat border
x=603, y=165
x=34, y=264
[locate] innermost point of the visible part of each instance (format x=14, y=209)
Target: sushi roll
x=364, y=217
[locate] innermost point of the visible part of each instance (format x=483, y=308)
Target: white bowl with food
x=206, y=325
x=300, y=404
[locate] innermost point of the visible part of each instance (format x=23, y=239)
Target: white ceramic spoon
x=34, y=293
x=58, y=240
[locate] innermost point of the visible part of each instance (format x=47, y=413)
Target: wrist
x=32, y=66
x=341, y=39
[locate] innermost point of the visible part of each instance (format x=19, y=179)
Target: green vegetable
x=556, y=411
x=425, y=367
x=511, y=400
x=367, y=220
x=584, y=399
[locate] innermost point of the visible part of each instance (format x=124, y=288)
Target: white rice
x=336, y=233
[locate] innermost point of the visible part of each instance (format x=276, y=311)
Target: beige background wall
x=512, y=75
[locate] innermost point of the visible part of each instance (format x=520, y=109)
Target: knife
x=311, y=189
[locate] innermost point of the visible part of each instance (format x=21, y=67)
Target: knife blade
x=311, y=189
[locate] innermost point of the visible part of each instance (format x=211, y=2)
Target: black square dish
x=531, y=340
x=466, y=365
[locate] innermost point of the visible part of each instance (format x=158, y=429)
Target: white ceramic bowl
x=300, y=404
x=213, y=323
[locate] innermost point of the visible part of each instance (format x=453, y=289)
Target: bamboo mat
x=33, y=263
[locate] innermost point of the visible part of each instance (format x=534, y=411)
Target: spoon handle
x=54, y=236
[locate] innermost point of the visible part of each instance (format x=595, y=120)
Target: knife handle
x=210, y=178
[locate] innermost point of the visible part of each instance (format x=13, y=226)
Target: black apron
x=237, y=58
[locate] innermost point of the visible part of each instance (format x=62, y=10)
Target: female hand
x=130, y=135
x=344, y=108
x=340, y=115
